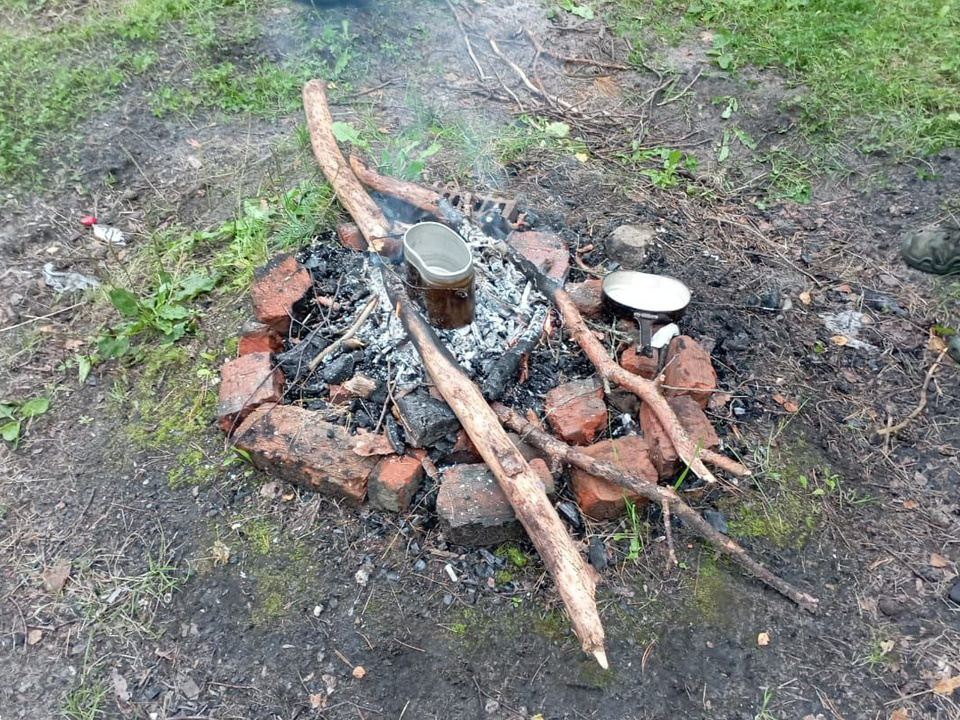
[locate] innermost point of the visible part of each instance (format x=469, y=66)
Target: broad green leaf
x=35, y=406
x=194, y=285
x=583, y=11
x=10, y=431
x=113, y=347
x=6, y=410
x=125, y=302
x=430, y=151
x=172, y=312
x=344, y=132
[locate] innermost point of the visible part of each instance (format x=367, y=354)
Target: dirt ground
x=224, y=595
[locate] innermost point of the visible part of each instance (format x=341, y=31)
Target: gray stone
x=628, y=245
x=955, y=592
x=473, y=509
x=425, y=419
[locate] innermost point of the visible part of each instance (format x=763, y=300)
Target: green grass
x=885, y=73
x=170, y=51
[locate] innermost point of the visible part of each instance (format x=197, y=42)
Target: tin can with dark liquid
x=440, y=274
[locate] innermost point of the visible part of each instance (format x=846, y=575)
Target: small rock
x=600, y=499
x=953, y=348
x=689, y=371
x=587, y=296
x=420, y=565
x=890, y=607
x=716, y=520
x=448, y=599
x=954, y=593
x=628, y=245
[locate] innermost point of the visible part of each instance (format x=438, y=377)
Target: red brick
x=258, y=337
x=395, y=480
x=463, y=450
x=576, y=412
x=600, y=499
x=638, y=364
x=545, y=250
x=587, y=296
x=693, y=420
x=689, y=371
x=277, y=287
x=473, y=509
x=246, y=383
x=290, y=442
x=351, y=237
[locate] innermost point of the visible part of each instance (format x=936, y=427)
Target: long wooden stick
x=349, y=191
x=611, y=371
x=665, y=496
x=416, y=195
x=519, y=482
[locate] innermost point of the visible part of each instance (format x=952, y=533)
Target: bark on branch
x=664, y=496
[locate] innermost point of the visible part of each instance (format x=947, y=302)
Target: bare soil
x=268, y=616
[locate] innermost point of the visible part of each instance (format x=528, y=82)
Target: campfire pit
x=365, y=395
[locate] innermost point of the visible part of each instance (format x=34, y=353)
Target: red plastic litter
x=88, y=220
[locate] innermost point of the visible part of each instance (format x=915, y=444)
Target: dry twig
x=893, y=429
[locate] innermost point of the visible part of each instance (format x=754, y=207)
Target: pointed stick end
x=600, y=655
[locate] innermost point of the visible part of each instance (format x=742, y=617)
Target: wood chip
x=54, y=578
x=359, y=672
x=840, y=340
x=938, y=561
x=763, y=639
x=805, y=297
x=34, y=636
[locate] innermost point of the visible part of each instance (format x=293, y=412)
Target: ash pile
x=328, y=393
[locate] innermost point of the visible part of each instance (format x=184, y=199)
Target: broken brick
x=463, y=450
x=277, y=287
x=351, y=237
x=601, y=499
x=293, y=444
x=689, y=371
x=246, y=383
x=576, y=411
x=545, y=250
x=258, y=337
x=395, y=480
x=587, y=296
x=473, y=509
x=692, y=419
x=638, y=364
x=338, y=395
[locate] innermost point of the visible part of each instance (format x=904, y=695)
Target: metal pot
x=649, y=299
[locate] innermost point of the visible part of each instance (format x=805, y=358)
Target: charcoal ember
x=295, y=362
x=597, y=553
x=568, y=511
x=394, y=435
x=341, y=368
x=425, y=419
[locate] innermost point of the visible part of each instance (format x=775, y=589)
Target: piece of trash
x=844, y=328
x=805, y=297
x=763, y=639
x=34, y=636
x=663, y=336
x=88, y=220
x=362, y=575
x=67, y=281
x=109, y=234
x=450, y=572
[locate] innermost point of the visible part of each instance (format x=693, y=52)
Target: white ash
x=507, y=307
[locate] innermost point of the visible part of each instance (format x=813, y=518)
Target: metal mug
x=440, y=274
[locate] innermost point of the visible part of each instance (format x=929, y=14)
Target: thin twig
x=683, y=92
x=566, y=58
x=351, y=331
x=466, y=41
x=42, y=317
x=893, y=429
